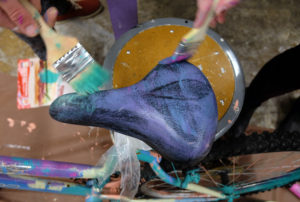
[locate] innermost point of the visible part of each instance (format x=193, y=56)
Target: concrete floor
x=256, y=30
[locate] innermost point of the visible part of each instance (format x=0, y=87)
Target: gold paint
x=150, y=46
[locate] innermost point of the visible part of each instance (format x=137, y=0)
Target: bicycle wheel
x=157, y=188
x=231, y=169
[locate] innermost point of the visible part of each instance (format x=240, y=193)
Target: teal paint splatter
x=36, y=15
x=46, y=170
x=58, y=45
x=47, y=76
x=4, y=170
x=90, y=79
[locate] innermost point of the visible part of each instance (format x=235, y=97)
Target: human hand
x=204, y=7
x=15, y=17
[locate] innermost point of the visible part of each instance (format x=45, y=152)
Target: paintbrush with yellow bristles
x=69, y=58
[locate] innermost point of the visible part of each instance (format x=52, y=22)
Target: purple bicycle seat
x=173, y=109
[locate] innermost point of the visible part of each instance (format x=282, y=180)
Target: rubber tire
x=243, y=145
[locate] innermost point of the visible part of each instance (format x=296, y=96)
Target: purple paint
x=21, y=19
x=173, y=109
x=123, y=15
x=44, y=185
x=24, y=166
x=174, y=58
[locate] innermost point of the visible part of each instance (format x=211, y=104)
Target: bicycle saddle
x=173, y=109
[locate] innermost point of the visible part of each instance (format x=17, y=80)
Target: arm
x=204, y=7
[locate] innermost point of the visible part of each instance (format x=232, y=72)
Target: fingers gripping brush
x=192, y=40
x=68, y=57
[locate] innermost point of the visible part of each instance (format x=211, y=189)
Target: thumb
x=50, y=16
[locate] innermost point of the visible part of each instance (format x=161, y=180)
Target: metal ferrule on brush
x=73, y=62
x=186, y=48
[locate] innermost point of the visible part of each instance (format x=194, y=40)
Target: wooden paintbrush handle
x=198, y=34
x=57, y=45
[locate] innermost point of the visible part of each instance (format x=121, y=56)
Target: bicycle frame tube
x=266, y=184
x=146, y=156
x=152, y=160
x=44, y=168
x=230, y=191
x=42, y=185
x=14, y=171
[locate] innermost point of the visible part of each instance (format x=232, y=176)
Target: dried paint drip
x=125, y=64
x=23, y=123
x=58, y=45
x=82, y=139
x=31, y=127
x=36, y=15
x=223, y=70
x=11, y=122
x=15, y=146
x=236, y=106
x=200, y=67
x=90, y=130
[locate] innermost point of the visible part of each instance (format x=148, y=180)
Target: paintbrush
x=69, y=58
x=192, y=40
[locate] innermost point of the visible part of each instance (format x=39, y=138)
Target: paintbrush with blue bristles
x=191, y=41
x=68, y=57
